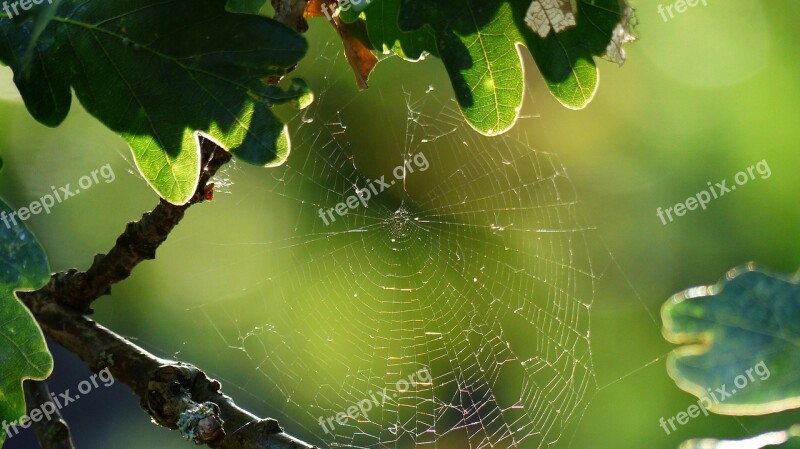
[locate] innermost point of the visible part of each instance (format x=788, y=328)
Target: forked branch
x=78, y=289
x=175, y=394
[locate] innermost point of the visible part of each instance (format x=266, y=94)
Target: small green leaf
x=787, y=439
x=383, y=33
x=739, y=342
x=157, y=73
x=23, y=351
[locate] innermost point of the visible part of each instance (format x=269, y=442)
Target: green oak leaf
x=23, y=351
x=787, y=439
x=158, y=73
x=477, y=41
x=739, y=342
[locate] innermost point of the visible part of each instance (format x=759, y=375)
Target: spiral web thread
x=476, y=272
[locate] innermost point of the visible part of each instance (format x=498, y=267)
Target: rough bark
x=53, y=432
x=176, y=395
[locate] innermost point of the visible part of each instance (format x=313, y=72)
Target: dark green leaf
x=23, y=351
x=157, y=73
x=246, y=6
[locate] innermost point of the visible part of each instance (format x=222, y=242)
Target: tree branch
x=176, y=395
x=78, y=289
x=51, y=432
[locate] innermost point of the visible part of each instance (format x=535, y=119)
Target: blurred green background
x=702, y=96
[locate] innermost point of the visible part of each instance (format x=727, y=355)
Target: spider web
x=475, y=271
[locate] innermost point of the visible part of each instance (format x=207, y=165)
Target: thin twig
x=78, y=289
x=52, y=432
